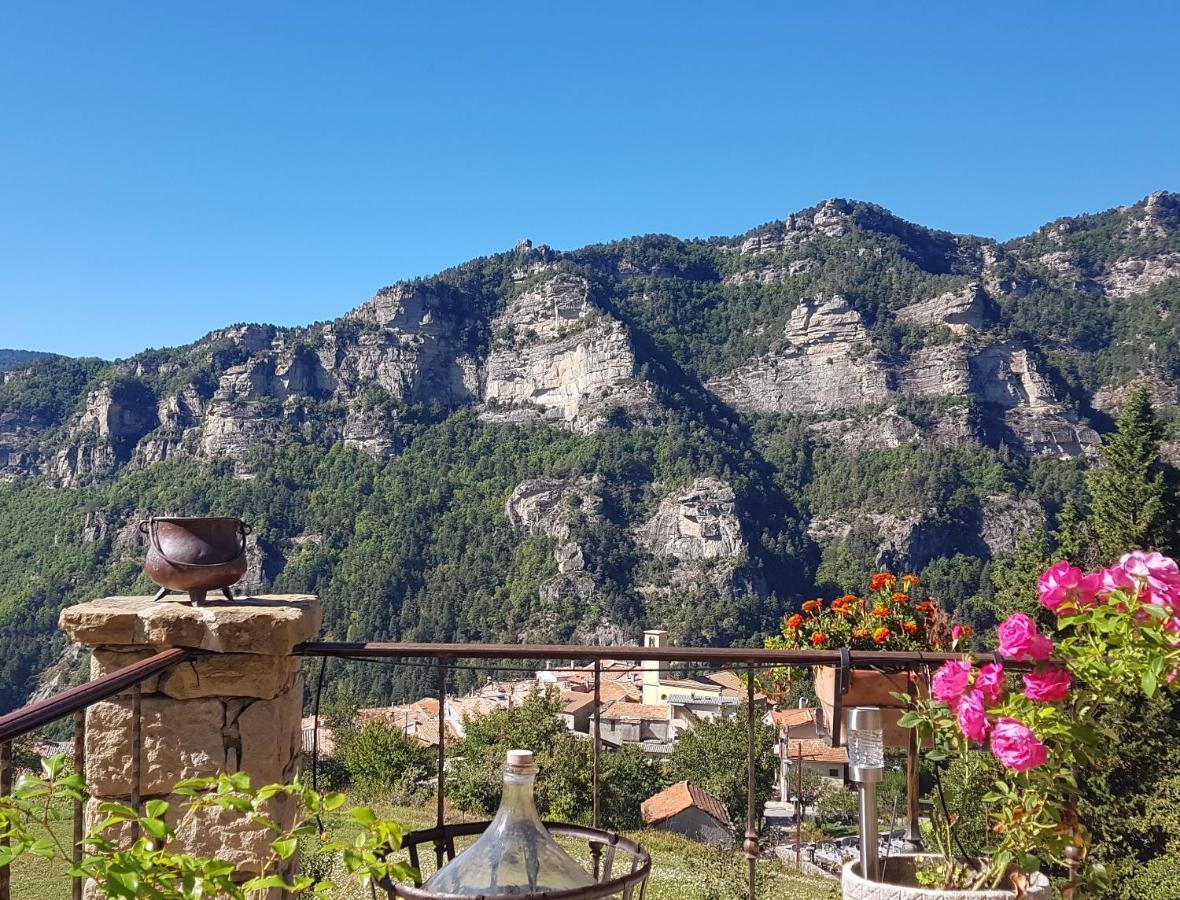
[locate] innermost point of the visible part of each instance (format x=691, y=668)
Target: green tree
x=712, y=755
x=382, y=761
x=628, y=779
x=1128, y=493
x=1075, y=537
x=563, y=788
x=1014, y=577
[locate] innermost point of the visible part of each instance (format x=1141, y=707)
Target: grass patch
x=681, y=869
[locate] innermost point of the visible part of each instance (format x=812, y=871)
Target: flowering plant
x=891, y=616
x=1117, y=634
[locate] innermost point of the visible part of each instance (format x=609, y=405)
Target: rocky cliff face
x=559, y=359
x=542, y=347
x=825, y=363
x=696, y=524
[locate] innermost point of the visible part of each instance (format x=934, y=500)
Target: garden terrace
x=128, y=682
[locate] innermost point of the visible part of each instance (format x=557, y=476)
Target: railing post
x=136, y=754
x=5, y=790
x=596, y=849
x=440, y=811
x=750, y=845
x=80, y=768
x=913, y=829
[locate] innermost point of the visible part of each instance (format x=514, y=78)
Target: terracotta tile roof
x=428, y=705
x=817, y=751
x=612, y=691
x=677, y=799
x=427, y=733
x=793, y=718
x=623, y=710
x=576, y=701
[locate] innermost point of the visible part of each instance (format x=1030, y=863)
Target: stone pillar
x=235, y=708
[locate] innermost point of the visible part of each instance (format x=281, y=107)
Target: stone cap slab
x=271, y=624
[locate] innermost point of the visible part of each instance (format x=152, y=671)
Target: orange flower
x=881, y=612
x=840, y=610
x=881, y=635
x=819, y=639
x=910, y=627
x=899, y=598
x=860, y=633
x=910, y=580
x=794, y=621
x=813, y=605
x=881, y=581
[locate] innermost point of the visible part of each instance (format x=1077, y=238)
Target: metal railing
x=448, y=657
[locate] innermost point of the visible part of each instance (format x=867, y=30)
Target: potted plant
x=892, y=615
x=1116, y=635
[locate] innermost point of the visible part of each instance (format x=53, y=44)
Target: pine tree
x=1075, y=538
x=1127, y=491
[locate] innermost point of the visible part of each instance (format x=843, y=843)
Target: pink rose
x=1157, y=576
x=1116, y=578
x=1047, y=685
x=990, y=682
x=950, y=681
x=1019, y=639
x=971, y=718
x=1014, y=745
x=1064, y=588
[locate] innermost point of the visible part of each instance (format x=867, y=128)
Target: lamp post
x=866, y=766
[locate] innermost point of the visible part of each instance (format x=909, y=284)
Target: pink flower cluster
x=970, y=692
x=1149, y=577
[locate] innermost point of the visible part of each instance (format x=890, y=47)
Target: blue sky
x=166, y=169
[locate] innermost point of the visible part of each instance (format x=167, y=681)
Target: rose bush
x=1117, y=635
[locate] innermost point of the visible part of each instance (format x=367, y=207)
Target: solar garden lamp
x=865, y=736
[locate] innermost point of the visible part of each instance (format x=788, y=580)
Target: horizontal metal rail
x=29, y=718
x=858, y=659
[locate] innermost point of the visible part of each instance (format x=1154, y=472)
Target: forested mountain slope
x=15, y=359
x=546, y=445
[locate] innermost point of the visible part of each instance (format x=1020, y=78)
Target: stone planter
x=901, y=869
x=867, y=688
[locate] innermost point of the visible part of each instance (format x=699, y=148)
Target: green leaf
x=155, y=827
x=1148, y=682
x=362, y=815
x=285, y=846
x=155, y=809
x=333, y=801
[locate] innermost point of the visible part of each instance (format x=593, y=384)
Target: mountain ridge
x=751, y=418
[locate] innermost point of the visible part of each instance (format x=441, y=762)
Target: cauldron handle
x=148, y=527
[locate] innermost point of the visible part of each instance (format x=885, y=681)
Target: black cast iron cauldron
x=196, y=555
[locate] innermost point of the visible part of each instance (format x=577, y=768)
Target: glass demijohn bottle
x=515, y=856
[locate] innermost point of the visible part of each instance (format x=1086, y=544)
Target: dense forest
x=378, y=456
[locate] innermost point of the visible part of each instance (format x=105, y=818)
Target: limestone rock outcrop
x=558, y=358
x=1007, y=520
x=825, y=363
x=1007, y=377
x=697, y=523
x=555, y=507
x=1128, y=277
x=961, y=311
